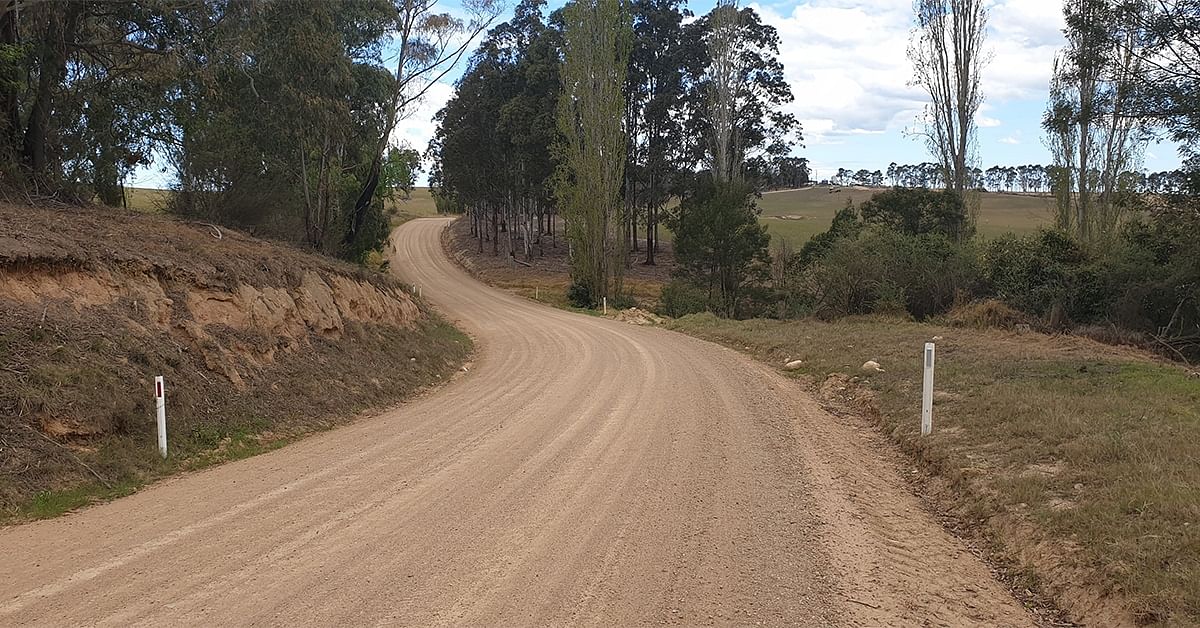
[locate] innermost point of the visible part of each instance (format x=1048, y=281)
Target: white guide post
x=605, y=300
x=160, y=403
x=927, y=392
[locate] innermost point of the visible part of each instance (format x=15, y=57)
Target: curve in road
x=583, y=471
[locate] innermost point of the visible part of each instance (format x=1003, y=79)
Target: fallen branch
x=71, y=454
x=1168, y=345
x=216, y=230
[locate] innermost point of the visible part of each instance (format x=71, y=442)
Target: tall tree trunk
x=61, y=24
x=10, y=97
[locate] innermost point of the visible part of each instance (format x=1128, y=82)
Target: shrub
x=680, y=298
x=622, y=302
x=887, y=272
x=580, y=295
x=719, y=242
x=914, y=211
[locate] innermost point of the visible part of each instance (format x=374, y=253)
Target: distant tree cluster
x=1031, y=178
x=270, y=115
x=557, y=114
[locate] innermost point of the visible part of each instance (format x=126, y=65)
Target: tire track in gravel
x=583, y=472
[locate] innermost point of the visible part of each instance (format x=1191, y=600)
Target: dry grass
x=146, y=200
x=547, y=277
x=1095, y=447
x=797, y=215
x=419, y=204
x=75, y=410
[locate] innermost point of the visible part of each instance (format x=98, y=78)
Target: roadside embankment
x=258, y=343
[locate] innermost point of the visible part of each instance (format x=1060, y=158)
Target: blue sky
x=846, y=61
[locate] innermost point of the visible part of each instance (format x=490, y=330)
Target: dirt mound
x=250, y=336
x=637, y=316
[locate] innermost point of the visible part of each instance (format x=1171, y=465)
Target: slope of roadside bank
x=259, y=343
x=1074, y=460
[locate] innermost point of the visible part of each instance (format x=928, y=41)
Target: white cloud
x=1009, y=140
x=849, y=70
x=416, y=128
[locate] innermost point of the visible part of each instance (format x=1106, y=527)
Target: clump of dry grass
x=986, y=314
x=1092, y=447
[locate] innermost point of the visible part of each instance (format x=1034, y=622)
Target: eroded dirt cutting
x=584, y=471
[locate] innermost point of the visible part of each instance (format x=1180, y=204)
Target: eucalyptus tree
x=492, y=145
x=429, y=45
x=1091, y=127
x=737, y=91
x=81, y=93
x=654, y=89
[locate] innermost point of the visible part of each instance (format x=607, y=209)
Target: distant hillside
x=796, y=215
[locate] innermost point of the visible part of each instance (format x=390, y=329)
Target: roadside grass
x=306, y=394
x=797, y=215
x=1045, y=442
x=552, y=289
x=200, y=448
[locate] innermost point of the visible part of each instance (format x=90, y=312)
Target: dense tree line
x=527, y=137
x=269, y=115
x=1029, y=178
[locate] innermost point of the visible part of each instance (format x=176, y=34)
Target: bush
x=914, y=211
x=622, y=301
x=580, y=295
x=680, y=298
x=886, y=272
x=720, y=243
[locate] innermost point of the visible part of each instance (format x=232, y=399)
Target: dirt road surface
x=583, y=471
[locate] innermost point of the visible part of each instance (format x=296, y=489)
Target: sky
x=847, y=64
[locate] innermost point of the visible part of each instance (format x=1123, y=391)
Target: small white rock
x=872, y=365
x=793, y=365
x=937, y=338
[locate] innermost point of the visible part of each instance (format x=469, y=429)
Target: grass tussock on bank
x=1077, y=459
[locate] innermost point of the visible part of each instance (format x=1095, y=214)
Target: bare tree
x=947, y=55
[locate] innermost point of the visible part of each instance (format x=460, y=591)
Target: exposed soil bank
x=257, y=342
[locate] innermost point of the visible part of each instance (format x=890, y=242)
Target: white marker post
x=160, y=402
x=605, y=301
x=927, y=392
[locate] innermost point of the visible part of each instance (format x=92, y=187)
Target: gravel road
x=584, y=471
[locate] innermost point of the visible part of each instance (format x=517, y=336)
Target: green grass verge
x=1096, y=447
